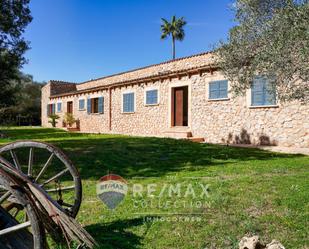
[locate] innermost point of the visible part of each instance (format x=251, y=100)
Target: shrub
x=69, y=119
x=53, y=119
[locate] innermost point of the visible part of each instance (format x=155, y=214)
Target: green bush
x=53, y=119
x=69, y=119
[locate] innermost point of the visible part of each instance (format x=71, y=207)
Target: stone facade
x=229, y=120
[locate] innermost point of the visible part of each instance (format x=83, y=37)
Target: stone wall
x=235, y=121
x=93, y=123
x=45, y=94
x=147, y=120
x=232, y=120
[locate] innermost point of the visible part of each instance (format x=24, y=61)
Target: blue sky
x=77, y=40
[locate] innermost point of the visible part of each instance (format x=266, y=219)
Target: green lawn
x=251, y=191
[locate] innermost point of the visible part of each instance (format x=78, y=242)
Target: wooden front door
x=180, y=106
x=70, y=107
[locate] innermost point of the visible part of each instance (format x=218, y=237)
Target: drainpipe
x=110, y=108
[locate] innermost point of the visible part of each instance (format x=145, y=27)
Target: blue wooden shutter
x=88, y=105
x=152, y=97
x=59, y=107
x=257, y=92
x=262, y=92
x=270, y=93
x=223, y=89
x=48, y=110
x=131, y=102
x=214, y=90
x=53, y=108
x=128, y=102
x=125, y=103
x=81, y=104
x=101, y=105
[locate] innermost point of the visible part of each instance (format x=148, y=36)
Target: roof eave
x=180, y=73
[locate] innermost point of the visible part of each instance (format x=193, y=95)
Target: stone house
x=183, y=98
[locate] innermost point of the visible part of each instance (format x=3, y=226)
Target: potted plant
x=69, y=119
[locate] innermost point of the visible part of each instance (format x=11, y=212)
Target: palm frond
x=164, y=35
x=174, y=19
x=164, y=20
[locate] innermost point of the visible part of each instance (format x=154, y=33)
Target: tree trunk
x=173, y=45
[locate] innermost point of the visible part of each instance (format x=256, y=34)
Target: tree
x=271, y=39
x=174, y=29
x=27, y=106
x=14, y=17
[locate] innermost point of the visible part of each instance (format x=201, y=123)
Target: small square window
x=262, y=92
x=128, y=102
x=218, y=89
x=152, y=97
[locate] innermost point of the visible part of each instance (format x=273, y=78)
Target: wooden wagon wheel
x=49, y=167
x=18, y=231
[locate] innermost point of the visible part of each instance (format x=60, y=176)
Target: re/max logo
x=113, y=185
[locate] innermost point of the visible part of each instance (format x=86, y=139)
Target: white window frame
x=126, y=92
x=151, y=89
x=85, y=104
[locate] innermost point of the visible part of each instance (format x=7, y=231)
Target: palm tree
x=173, y=28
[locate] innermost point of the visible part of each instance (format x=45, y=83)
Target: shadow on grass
x=152, y=157
x=97, y=155
x=115, y=235
x=37, y=133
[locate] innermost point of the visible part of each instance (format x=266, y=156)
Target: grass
x=251, y=191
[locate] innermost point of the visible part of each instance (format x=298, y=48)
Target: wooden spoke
x=45, y=167
x=44, y=174
x=15, y=160
x=5, y=196
x=25, y=217
x=55, y=177
x=62, y=189
x=66, y=204
x=16, y=212
x=30, y=162
x=4, y=161
x=15, y=228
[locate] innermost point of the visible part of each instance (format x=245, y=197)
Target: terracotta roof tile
x=164, y=68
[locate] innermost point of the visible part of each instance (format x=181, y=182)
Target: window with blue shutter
x=262, y=92
x=218, y=89
x=59, y=107
x=88, y=105
x=81, y=104
x=100, y=105
x=152, y=97
x=50, y=109
x=128, y=102
x=95, y=105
